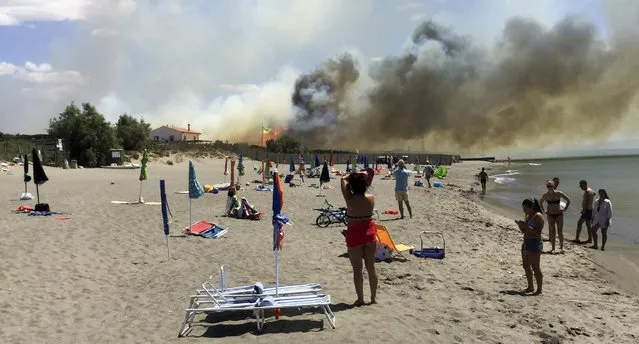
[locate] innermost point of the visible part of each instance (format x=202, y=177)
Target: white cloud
x=104, y=32
x=239, y=87
x=410, y=6
x=16, y=12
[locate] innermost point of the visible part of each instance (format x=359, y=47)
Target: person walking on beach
x=532, y=246
x=554, y=213
x=483, y=178
x=601, y=218
x=428, y=172
x=586, y=212
x=401, y=175
x=361, y=232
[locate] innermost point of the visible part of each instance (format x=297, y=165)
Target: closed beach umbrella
x=278, y=222
x=348, y=164
x=317, y=161
x=39, y=177
x=240, y=168
x=195, y=190
x=291, y=168
x=165, y=215
x=27, y=177
x=330, y=160
x=325, y=176
x=226, y=167
x=365, y=161
x=232, y=173
x=267, y=170
x=144, y=174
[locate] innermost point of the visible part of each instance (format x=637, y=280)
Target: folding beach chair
x=219, y=303
x=383, y=236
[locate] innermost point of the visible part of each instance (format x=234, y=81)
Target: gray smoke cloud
x=536, y=86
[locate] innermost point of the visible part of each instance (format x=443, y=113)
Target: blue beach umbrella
x=195, y=190
x=365, y=161
x=165, y=215
x=291, y=168
x=317, y=161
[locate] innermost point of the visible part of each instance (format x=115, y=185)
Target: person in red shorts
x=361, y=232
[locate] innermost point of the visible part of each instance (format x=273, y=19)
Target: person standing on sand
x=554, y=213
x=556, y=182
x=428, y=172
x=483, y=178
x=532, y=246
x=601, y=218
x=361, y=233
x=401, y=175
x=586, y=212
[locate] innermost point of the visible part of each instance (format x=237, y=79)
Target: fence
x=19, y=147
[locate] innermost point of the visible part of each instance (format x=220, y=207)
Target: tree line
x=88, y=136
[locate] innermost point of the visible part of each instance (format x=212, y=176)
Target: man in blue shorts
x=401, y=175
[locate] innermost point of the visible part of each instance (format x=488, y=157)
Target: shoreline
x=620, y=262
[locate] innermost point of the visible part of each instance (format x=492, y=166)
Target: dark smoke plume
x=536, y=86
x=320, y=99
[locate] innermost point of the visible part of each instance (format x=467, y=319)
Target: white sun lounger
x=219, y=303
x=249, y=290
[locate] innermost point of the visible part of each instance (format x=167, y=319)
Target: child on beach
x=361, y=233
x=601, y=218
x=532, y=246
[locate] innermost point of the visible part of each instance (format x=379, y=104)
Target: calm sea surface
x=618, y=175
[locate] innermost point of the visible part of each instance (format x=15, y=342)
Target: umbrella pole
x=190, y=215
x=168, y=250
x=25, y=187
x=277, y=273
x=140, y=198
x=38, y=193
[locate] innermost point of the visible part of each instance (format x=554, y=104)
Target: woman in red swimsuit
x=361, y=233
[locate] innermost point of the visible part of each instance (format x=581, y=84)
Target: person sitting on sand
x=361, y=233
x=428, y=172
x=401, y=175
x=601, y=218
x=554, y=213
x=483, y=178
x=586, y=212
x=532, y=246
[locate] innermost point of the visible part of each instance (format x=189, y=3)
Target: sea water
x=618, y=175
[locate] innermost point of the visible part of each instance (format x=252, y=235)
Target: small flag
x=266, y=130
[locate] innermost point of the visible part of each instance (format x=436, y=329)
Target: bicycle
x=329, y=215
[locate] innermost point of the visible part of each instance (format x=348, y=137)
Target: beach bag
x=44, y=207
x=288, y=178
x=383, y=252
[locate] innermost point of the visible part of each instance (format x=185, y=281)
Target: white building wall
x=164, y=134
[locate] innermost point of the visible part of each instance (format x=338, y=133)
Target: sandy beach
x=103, y=276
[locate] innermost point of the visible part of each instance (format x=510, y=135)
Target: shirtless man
x=554, y=213
x=483, y=178
x=586, y=212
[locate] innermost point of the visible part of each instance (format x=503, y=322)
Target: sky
x=218, y=65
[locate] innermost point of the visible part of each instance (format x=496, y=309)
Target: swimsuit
x=532, y=245
x=557, y=201
x=361, y=233
x=586, y=214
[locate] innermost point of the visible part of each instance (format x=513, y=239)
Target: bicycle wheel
x=323, y=221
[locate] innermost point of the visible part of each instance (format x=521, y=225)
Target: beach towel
x=199, y=227
x=262, y=188
x=45, y=213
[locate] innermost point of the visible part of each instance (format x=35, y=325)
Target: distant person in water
x=401, y=175
x=555, y=213
x=532, y=246
x=586, y=212
x=601, y=218
x=483, y=178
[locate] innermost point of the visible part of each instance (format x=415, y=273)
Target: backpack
x=383, y=252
